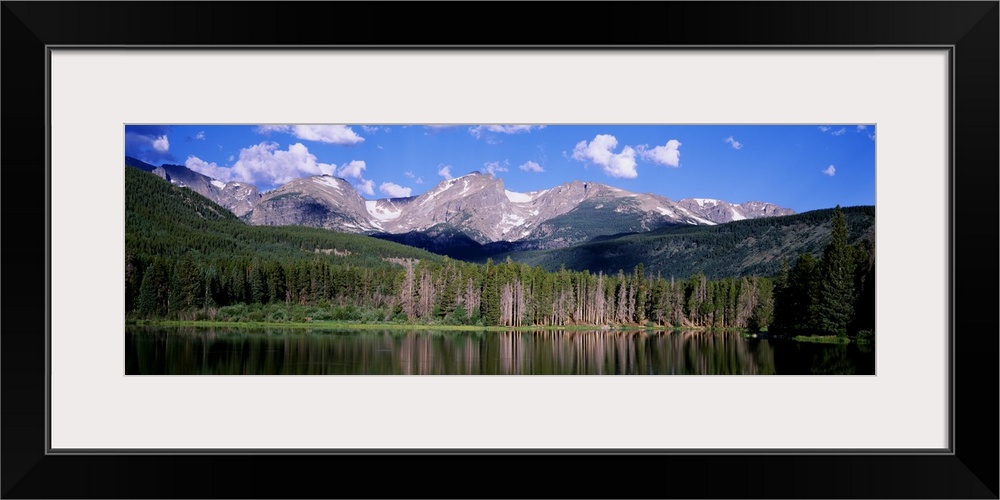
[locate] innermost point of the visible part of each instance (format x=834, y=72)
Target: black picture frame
x=970, y=28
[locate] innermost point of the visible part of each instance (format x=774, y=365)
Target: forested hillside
x=754, y=247
x=184, y=253
x=188, y=258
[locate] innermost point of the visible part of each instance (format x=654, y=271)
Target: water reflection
x=232, y=351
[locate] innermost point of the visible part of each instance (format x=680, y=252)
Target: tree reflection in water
x=231, y=351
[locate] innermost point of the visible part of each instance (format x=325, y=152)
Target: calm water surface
x=277, y=351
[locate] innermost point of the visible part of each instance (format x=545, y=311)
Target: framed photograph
x=887, y=99
x=492, y=250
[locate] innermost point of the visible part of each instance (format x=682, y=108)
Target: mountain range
x=578, y=225
x=474, y=210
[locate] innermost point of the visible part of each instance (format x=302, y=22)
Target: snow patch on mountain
x=695, y=217
x=736, y=214
x=666, y=211
x=329, y=181
x=518, y=197
x=444, y=187
x=510, y=221
x=465, y=187
x=381, y=213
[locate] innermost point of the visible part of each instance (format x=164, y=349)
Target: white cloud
x=478, y=130
x=231, y=158
x=161, y=144
x=353, y=170
x=492, y=167
x=371, y=130
x=265, y=165
x=394, y=190
x=445, y=171
x=513, y=129
x=210, y=169
x=331, y=134
x=623, y=164
x=267, y=129
x=148, y=143
x=600, y=151
x=839, y=132
x=862, y=127
x=668, y=154
x=200, y=135
x=824, y=128
x=366, y=186
x=733, y=142
x=530, y=166
x=411, y=175
x=831, y=170
x=871, y=136
x=150, y=147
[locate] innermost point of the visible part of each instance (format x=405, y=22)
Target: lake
x=314, y=351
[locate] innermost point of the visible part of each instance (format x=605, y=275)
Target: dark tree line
x=832, y=295
x=449, y=291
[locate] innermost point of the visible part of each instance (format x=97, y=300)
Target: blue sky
x=802, y=167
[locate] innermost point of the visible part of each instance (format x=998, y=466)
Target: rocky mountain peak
x=476, y=204
x=237, y=197
x=719, y=211
x=318, y=201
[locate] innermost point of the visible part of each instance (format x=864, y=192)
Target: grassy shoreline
x=349, y=325
x=822, y=339
x=331, y=325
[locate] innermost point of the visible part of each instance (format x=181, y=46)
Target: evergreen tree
x=276, y=282
x=146, y=303
x=763, y=313
x=836, y=292
x=676, y=302
x=133, y=281
x=797, y=300
x=660, y=302
x=258, y=286
x=864, y=284
x=639, y=277
x=782, y=313
x=490, y=305
x=210, y=280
